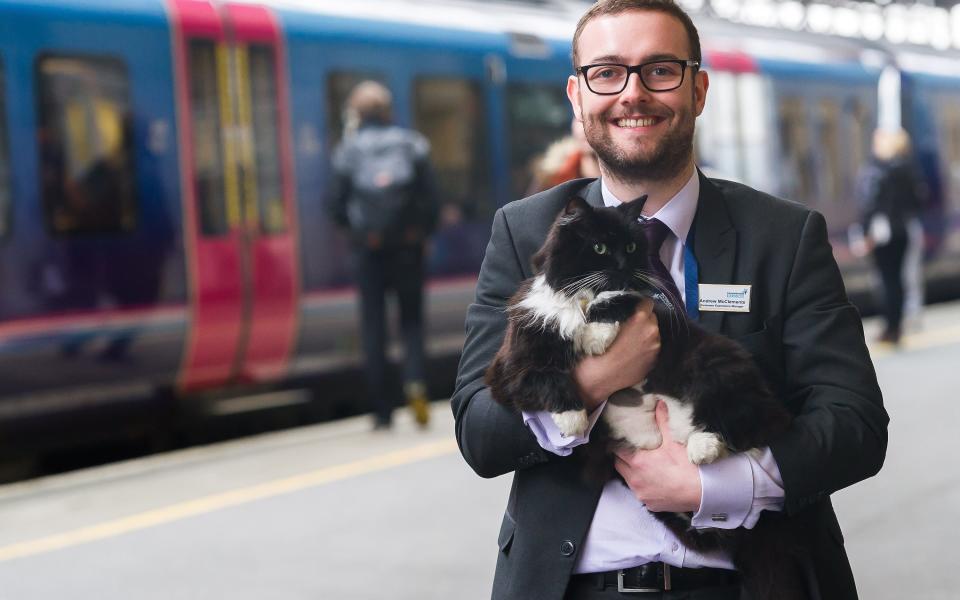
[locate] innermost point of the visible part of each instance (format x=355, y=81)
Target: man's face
x=638, y=135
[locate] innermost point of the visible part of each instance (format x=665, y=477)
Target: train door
x=237, y=193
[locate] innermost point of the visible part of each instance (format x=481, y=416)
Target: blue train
x=163, y=167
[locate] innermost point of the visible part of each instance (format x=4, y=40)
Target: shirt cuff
x=548, y=434
x=737, y=488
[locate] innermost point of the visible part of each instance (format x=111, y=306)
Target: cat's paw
x=704, y=447
x=597, y=337
x=571, y=423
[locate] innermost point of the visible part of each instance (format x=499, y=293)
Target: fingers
x=645, y=306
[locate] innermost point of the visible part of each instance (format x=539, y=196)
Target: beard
x=665, y=160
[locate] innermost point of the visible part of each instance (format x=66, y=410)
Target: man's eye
x=631, y=248
x=600, y=248
x=605, y=73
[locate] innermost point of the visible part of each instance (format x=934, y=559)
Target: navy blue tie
x=656, y=232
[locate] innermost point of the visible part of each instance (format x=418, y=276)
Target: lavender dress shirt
x=736, y=488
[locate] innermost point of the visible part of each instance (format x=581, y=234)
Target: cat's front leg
x=594, y=338
x=571, y=423
x=703, y=447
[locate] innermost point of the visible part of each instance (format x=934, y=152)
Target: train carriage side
x=94, y=297
x=803, y=123
x=444, y=84
x=930, y=85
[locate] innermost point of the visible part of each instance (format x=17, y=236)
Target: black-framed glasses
x=608, y=79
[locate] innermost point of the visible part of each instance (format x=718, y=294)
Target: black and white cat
x=592, y=272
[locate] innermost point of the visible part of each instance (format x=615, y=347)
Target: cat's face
x=601, y=249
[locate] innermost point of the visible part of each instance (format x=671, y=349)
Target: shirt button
x=567, y=547
x=676, y=547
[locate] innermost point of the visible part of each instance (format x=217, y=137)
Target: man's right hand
x=625, y=363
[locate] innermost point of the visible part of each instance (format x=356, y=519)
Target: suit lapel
x=593, y=194
x=715, y=245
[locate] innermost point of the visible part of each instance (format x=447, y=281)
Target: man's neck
x=658, y=192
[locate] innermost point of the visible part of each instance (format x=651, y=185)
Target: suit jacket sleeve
x=492, y=438
x=840, y=434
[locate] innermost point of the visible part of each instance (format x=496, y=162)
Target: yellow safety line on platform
x=922, y=340
x=236, y=497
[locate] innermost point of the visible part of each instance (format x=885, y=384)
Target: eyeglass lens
x=658, y=76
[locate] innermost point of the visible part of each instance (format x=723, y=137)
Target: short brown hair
x=616, y=7
x=371, y=101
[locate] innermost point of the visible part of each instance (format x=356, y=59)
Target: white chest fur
x=549, y=307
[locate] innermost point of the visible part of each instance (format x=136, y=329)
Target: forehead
x=634, y=36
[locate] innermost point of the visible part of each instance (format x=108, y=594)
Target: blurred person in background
x=384, y=198
x=570, y=157
x=892, y=196
x=638, y=89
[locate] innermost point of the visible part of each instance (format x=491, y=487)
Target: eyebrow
x=616, y=58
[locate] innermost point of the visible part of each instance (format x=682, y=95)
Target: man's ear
x=573, y=95
x=701, y=83
x=634, y=209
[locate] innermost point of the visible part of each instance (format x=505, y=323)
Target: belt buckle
x=645, y=590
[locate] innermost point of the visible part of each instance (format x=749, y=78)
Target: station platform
x=339, y=512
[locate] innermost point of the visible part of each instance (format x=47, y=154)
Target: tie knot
x=656, y=232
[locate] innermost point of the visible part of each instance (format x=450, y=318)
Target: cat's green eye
x=631, y=247
x=600, y=248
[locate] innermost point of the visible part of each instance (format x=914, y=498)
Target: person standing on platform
x=568, y=158
x=637, y=88
x=893, y=195
x=384, y=197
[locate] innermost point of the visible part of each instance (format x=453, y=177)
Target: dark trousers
x=889, y=261
x=397, y=268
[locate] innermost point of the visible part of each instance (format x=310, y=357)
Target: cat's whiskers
x=589, y=280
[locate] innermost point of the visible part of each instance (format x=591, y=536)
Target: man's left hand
x=663, y=479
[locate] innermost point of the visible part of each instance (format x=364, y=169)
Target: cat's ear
x=576, y=208
x=634, y=209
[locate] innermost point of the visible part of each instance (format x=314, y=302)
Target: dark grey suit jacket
x=802, y=331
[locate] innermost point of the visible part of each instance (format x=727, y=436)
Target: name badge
x=725, y=298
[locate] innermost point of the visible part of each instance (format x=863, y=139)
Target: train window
x=721, y=144
x=949, y=131
x=795, y=151
x=5, y=208
x=207, y=63
x=828, y=151
x=538, y=114
x=86, y=154
x=339, y=86
x=450, y=113
x=265, y=117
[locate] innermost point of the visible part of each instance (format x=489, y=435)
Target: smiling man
x=638, y=88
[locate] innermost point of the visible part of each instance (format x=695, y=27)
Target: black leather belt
x=658, y=577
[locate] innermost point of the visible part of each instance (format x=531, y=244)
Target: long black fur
x=533, y=371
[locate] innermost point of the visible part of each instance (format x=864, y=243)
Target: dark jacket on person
x=382, y=184
x=803, y=333
x=894, y=190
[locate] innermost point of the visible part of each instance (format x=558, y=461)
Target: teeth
x=636, y=122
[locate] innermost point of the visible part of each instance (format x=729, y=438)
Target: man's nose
x=635, y=89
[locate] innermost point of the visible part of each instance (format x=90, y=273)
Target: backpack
x=383, y=174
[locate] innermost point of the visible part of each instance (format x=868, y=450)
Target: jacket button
x=567, y=547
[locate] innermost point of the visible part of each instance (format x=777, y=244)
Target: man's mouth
x=636, y=122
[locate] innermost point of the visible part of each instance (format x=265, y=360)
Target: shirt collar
x=677, y=213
